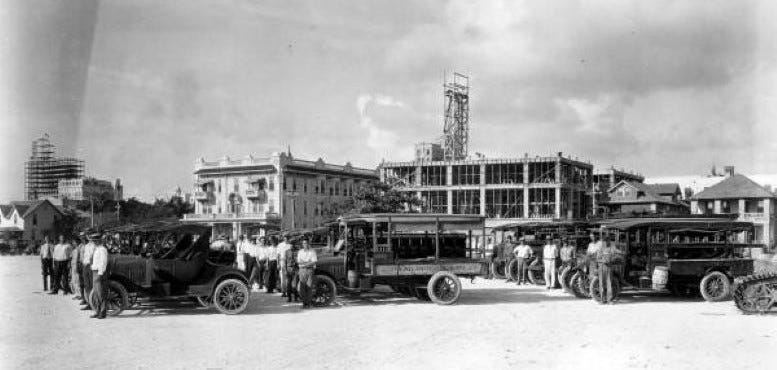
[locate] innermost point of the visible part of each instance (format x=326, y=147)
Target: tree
x=687, y=193
x=67, y=224
x=375, y=198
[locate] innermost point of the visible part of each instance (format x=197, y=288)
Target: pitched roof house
x=636, y=197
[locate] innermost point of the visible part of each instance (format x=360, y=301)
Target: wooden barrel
x=353, y=279
x=660, y=277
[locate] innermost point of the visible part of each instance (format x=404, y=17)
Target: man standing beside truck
x=306, y=259
x=607, y=258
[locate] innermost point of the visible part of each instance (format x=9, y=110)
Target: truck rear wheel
x=536, y=270
x=444, y=288
x=498, y=269
x=715, y=287
x=325, y=290
x=231, y=296
x=511, y=271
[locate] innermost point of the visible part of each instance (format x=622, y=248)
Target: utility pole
x=293, y=196
x=118, y=209
x=91, y=203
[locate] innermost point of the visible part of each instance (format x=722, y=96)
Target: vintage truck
x=422, y=255
x=682, y=255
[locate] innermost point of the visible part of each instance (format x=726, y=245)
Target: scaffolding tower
x=456, y=130
x=43, y=171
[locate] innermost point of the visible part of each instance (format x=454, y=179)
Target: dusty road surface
x=494, y=325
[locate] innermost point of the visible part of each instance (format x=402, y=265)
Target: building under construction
x=43, y=171
x=505, y=190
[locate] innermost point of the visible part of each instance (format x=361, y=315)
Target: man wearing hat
x=607, y=257
x=522, y=254
x=46, y=263
x=99, y=277
x=549, y=255
x=86, y=268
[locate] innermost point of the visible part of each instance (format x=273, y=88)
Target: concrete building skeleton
x=504, y=190
x=43, y=171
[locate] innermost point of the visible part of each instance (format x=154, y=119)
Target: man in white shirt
x=99, y=277
x=251, y=268
x=61, y=257
x=590, y=253
x=549, y=255
x=240, y=260
x=306, y=259
x=46, y=263
x=522, y=254
x=86, y=265
x=261, y=261
x=283, y=246
x=272, y=266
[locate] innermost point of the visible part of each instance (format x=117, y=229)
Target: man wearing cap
x=241, y=253
x=60, y=256
x=549, y=255
x=568, y=255
x=590, y=253
x=283, y=246
x=272, y=265
x=306, y=259
x=292, y=272
x=46, y=262
x=261, y=261
x=522, y=253
x=99, y=278
x=607, y=257
x=86, y=269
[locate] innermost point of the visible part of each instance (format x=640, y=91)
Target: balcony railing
x=754, y=216
x=260, y=195
x=228, y=216
x=201, y=195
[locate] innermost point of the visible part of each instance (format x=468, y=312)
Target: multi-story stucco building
x=503, y=190
x=237, y=196
x=740, y=196
x=85, y=188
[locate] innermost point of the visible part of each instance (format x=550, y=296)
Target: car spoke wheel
x=715, y=287
x=511, y=271
x=444, y=288
x=231, y=296
x=325, y=290
x=580, y=284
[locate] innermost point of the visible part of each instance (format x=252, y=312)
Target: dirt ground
x=494, y=325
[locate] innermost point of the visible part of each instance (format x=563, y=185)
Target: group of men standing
x=81, y=268
x=266, y=262
x=601, y=256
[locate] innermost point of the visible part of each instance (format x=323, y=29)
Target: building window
x=504, y=173
x=404, y=176
x=466, y=202
x=35, y=219
x=433, y=175
x=284, y=184
x=305, y=208
x=466, y=175
x=219, y=185
x=293, y=184
x=542, y=172
x=504, y=203
x=271, y=184
x=725, y=206
x=271, y=208
x=305, y=186
x=542, y=203
x=434, y=201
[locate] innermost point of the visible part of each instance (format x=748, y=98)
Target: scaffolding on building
x=456, y=129
x=44, y=170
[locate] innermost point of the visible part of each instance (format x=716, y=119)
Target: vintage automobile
x=756, y=294
x=682, y=255
x=190, y=269
x=421, y=255
x=535, y=234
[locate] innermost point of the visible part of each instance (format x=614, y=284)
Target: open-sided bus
x=685, y=255
x=535, y=234
x=421, y=255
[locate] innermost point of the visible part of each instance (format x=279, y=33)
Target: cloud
x=380, y=140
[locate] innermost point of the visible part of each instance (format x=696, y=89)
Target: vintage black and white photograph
x=420, y=184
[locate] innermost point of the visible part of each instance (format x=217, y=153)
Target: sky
x=141, y=89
